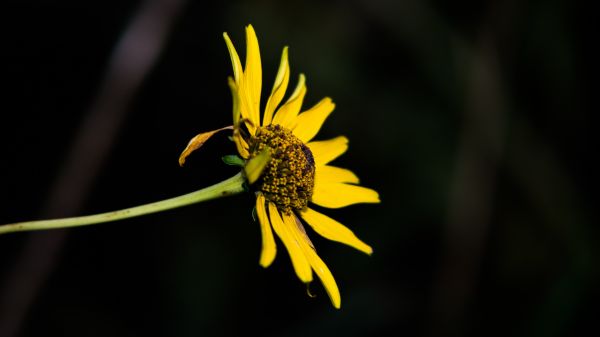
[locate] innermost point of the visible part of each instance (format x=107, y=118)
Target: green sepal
x=255, y=166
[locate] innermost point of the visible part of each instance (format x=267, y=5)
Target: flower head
x=286, y=168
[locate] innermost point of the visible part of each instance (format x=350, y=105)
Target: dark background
x=471, y=119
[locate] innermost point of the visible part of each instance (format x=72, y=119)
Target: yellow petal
x=279, y=87
x=317, y=264
x=255, y=166
x=298, y=229
x=287, y=114
x=235, y=59
x=196, y=142
x=333, y=174
x=333, y=230
x=236, y=100
x=284, y=232
x=325, y=151
x=253, y=75
x=336, y=195
x=248, y=113
x=326, y=278
x=244, y=84
x=240, y=143
x=269, y=249
x=310, y=121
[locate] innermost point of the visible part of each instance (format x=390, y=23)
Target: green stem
x=231, y=186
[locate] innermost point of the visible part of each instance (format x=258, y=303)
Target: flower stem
x=231, y=186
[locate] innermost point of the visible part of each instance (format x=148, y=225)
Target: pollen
x=289, y=178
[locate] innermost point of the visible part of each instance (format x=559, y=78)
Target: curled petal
x=196, y=142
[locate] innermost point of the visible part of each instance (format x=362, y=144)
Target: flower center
x=289, y=178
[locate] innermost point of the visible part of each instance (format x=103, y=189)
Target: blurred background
x=472, y=120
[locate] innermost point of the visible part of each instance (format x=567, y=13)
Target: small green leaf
x=233, y=160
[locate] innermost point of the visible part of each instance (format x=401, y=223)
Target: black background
x=471, y=119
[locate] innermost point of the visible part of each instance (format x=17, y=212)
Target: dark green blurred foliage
x=472, y=120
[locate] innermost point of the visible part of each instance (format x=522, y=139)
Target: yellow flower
x=286, y=168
